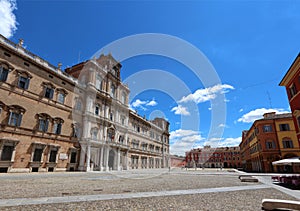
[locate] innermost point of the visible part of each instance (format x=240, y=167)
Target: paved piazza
x=179, y=189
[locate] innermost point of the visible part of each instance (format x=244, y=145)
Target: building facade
x=269, y=139
x=77, y=119
x=220, y=157
x=291, y=81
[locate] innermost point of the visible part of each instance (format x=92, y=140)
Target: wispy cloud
x=142, y=104
x=8, y=23
x=181, y=110
x=184, y=140
x=152, y=103
x=258, y=114
x=210, y=93
x=230, y=142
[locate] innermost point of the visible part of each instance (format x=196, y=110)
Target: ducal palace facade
x=76, y=119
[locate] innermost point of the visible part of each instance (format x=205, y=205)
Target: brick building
x=291, y=81
x=225, y=157
x=269, y=139
x=78, y=119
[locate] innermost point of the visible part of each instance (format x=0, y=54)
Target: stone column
x=82, y=157
x=107, y=158
x=118, y=160
x=101, y=158
x=126, y=161
x=104, y=133
x=88, y=158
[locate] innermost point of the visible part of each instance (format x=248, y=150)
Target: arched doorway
x=225, y=165
x=111, y=159
x=213, y=165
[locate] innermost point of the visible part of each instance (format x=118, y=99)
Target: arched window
x=57, y=125
x=4, y=69
x=24, y=79
x=43, y=122
x=48, y=90
x=15, y=115
x=61, y=95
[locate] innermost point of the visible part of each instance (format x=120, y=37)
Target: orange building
x=220, y=157
x=291, y=81
x=269, y=139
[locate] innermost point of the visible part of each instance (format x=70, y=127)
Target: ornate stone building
x=78, y=119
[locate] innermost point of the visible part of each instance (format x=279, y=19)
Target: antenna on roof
x=78, y=56
x=270, y=101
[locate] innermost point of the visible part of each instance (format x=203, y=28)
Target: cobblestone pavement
x=178, y=189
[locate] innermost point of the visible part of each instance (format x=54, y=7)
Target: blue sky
x=251, y=45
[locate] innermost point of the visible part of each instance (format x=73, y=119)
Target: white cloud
x=223, y=125
x=8, y=23
x=203, y=95
x=181, y=110
x=258, y=114
x=184, y=140
x=152, y=103
x=230, y=142
x=138, y=103
x=241, y=110
x=142, y=103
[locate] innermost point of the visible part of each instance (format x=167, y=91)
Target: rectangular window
x=3, y=74
x=111, y=116
x=37, y=156
x=15, y=119
x=287, y=144
x=78, y=105
x=267, y=128
x=73, y=157
x=61, y=98
x=49, y=93
x=23, y=82
x=97, y=110
x=270, y=145
x=293, y=90
x=284, y=127
x=57, y=128
x=52, y=157
x=7, y=152
x=43, y=125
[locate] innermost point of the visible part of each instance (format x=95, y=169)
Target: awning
x=288, y=161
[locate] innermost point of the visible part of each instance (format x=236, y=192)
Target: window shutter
x=46, y=125
x=19, y=120
x=19, y=80
x=54, y=127
x=51, y=93
x=27, y=83
x=9, y=120
x=58, y=128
